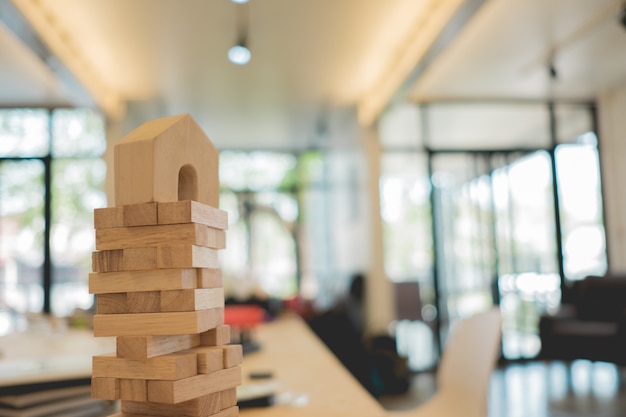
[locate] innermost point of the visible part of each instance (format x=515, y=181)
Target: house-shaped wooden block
x=167, y=159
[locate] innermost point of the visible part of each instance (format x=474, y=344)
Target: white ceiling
x=504, y=53
x=168, y=57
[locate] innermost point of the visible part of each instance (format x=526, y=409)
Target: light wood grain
x=143, y=302
x=133, y=389
x=149, y=161
x=111, y=303
x=154, y=324
x=104, y=218
x=132, y=302
x=170, y=367
x=163, y=235
x=228, y=412
x=173, y=392
x=207, y=405
x=189, y=256
x=209, y=278
x=107, y=261
x=233, y=355
x=302, y=364
x=143, y=280
x=140, y=214
x=144, y=347
x=190, y=300
x=130, y=259
x=228, y=398
x=220, y=335
x=192, y=212
x=105, y=388
x=210, y=358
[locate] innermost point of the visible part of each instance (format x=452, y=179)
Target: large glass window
x=50, y=168
x=281, y=240
x=584, y=240
x=515, y=200
x=405, y=210
x=21, y=236
x=258, y=191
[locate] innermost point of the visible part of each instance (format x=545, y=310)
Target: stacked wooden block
x=159, y=291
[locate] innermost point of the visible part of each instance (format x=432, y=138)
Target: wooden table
x=306, y=371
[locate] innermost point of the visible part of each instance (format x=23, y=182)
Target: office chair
x=467, y=362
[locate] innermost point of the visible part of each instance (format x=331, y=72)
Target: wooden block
x=219, y=316
x=220, y=335
x=166, y=159
x=144, y=214
x=153, y=324
x=144, y=302
x=190, y=300
x=112, y=303
x=228, y=412
x=132, y=302
x=174, y=392
x=214, y=358
x=105, y=261
x=210, y=358
x=145, y=280
x=133, y=390
x=168, y=367
x=228, y=398
x=209, y=278
x=145, y=347
x=188, y=256
x=130, y=259
x=207, y=405
x=139, y=258
x=105, y=388
x=164, y=235
x=105, y=218
x=189, y=211
x=233, y=355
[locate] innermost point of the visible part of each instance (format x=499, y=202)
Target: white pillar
x=380, y=303
x=612, y=132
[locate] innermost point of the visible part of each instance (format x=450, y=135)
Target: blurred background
x=457, y=154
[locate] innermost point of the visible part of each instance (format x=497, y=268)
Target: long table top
x=307, y=375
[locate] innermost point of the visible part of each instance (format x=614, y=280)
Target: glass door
x=495, y=222
x=464, y=236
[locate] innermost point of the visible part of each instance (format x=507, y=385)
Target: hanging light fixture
x=240, y=53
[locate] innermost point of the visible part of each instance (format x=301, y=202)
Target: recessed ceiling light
x=240, y=1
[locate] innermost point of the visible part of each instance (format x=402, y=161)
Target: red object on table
x=243, y=316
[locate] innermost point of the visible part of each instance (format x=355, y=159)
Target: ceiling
x=309, y=58
x=506, y=49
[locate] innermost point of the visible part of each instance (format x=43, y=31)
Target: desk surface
x=39, y=357
x=304, y=369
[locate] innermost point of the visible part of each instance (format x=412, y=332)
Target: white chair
x=468, y=359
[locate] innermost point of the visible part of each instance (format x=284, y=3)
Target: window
x=51, y=179
x=515, y=203
x=258, y=193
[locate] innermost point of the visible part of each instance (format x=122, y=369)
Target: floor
x=538, y=389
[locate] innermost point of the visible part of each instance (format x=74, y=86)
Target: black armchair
x=591, y=323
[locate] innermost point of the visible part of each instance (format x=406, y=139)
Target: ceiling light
x=239, y=54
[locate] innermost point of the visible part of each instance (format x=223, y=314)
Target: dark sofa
x=591, y=323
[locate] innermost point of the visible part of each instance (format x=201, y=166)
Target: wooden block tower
x=157, y=280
